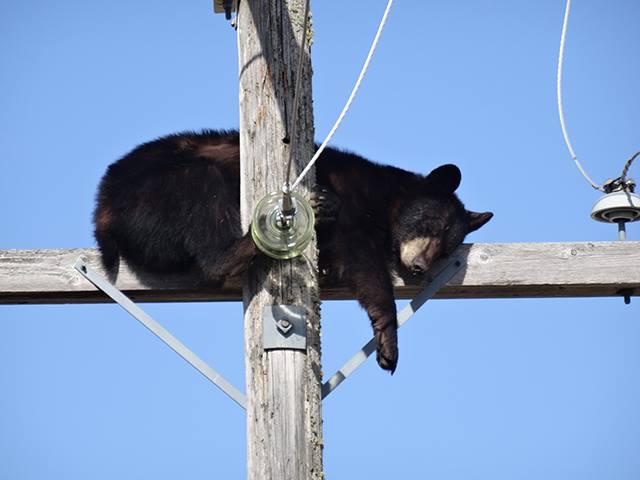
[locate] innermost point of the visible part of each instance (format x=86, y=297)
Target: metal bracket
x=284, y=327
x=454, y=265
x=159, y=331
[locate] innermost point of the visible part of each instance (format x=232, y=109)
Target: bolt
x=284, y=326
x=626, y=294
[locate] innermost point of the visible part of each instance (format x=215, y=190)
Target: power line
x=565, y=134
x=351, y=97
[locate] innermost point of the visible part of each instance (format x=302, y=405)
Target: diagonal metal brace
x=159, y=331
x=454, y=265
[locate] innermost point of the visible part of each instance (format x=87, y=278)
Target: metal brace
x=284, y=327
x=159, y=331
x=454, y=265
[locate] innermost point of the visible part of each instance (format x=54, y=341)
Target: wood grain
x=494, y=270
x=284, y=422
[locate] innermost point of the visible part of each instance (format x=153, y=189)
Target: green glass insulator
x=278, y=234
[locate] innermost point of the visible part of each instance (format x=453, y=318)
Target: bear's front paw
x=325, y=204
x=387, y=351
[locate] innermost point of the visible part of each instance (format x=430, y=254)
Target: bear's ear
x=477, y=219
x=445, y=179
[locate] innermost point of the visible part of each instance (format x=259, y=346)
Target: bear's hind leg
x=109, y=252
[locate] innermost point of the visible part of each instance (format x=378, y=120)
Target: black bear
x=173, y=204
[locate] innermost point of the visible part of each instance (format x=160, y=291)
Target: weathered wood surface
x=284, y=420
x=494, y=270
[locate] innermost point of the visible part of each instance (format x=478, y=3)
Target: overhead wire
x=363, y=71
x=627, y=165
x=563, y=126
x=365, y=67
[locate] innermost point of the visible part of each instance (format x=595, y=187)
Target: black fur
x=172, y=205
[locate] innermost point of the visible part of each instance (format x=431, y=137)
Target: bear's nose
x=418, y=266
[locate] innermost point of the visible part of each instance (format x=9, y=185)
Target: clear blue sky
x=485, y=389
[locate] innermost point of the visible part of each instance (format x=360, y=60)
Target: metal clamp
x=284, y=327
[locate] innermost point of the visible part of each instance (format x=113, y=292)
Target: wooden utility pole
x=284, y=422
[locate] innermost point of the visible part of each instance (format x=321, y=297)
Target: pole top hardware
x=225, y=6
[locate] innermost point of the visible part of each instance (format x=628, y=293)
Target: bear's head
x=431, y=223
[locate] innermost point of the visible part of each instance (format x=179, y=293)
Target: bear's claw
x=325, y=204
x=387, y=351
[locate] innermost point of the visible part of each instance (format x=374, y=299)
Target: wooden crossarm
x=494, y=270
